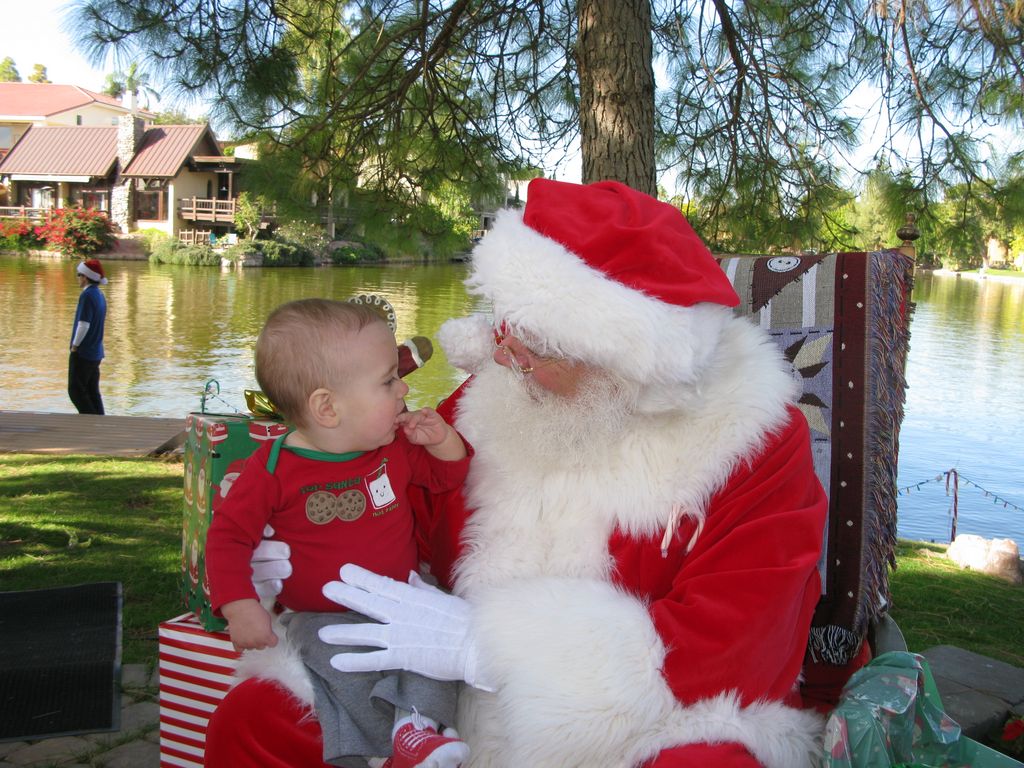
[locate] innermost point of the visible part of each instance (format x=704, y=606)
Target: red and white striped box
x=196, y=669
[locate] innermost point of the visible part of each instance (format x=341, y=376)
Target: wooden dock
x=62, y=433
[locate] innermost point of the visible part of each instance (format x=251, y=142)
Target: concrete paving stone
x=153, y=736
x=995, y=678
x=154, y=679
x=59, y=749
x=134, y=754
x=976, y=713
x=947, y=686
x=134, y=675
x=105, y=739
x=7, y=747
x=145, y=714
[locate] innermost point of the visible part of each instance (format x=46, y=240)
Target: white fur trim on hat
x=91, y=273
x=538, y=285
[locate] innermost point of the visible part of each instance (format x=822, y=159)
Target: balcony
x=24, y=212
x=206, y=209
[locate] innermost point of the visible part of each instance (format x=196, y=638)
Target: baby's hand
x=424, y=427
x=248, y=625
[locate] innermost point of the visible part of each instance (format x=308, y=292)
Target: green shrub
x=275, y=253
x=306, y=234
x=351, y=253
x=960, y=262
x=151, y=238
x=280, y=253
x=249, y=213
x=77, y=231
x=239, y=251
x=172, y=251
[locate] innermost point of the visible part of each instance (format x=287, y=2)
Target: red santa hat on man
x=601, y=274
x=92, y=269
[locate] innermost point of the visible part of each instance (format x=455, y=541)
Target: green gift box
x=216, y=445
x=890, y=714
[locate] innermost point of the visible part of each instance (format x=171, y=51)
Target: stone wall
x=130, y=130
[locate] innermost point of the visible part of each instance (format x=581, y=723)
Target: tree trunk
x=614, y=57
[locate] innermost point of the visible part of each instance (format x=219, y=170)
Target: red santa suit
x=643, y=599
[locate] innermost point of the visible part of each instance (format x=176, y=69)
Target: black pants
x=84, y=384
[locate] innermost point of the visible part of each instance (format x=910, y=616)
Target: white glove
x=425, y=630
x=270, y=565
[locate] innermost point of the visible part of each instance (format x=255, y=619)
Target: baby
x=335, y=489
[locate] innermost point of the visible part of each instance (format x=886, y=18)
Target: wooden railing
x=23, y=212
x=39, y=214
x=206, y=209
x=194, y=236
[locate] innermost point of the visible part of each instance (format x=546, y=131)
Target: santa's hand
x=270, y=565
x=424, y=630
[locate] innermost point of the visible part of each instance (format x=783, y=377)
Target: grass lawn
x=75, y=519
x=937, y=603
x=998, y=272
x=71, y=520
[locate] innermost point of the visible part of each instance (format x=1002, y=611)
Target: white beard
x=553, y=476
x=556, y=430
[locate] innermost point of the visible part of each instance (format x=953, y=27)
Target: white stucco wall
x=91, y=114
x=163, y=226
x=187, y=185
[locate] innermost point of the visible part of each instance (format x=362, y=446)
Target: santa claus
x=633, y=558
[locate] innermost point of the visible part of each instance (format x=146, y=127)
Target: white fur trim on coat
x=535, y=283
x=280, y=664
x=561, y=705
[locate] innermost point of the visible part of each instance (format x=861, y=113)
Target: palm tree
x=131, y=82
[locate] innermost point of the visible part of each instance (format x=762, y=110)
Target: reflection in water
x=170, y=329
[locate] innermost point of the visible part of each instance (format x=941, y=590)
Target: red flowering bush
x=1011, y=741
x=17, y=235
x=77, y=231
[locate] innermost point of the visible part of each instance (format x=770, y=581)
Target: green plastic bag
x=890, y=716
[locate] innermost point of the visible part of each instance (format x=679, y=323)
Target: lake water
x=171, y=329
x=964, y=409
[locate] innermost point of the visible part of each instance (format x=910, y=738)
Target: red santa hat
x=92, y=269
x=606, y=275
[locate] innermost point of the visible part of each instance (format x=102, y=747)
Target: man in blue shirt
x=87, y=339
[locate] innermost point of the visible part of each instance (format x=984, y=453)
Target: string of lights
x=957, y=477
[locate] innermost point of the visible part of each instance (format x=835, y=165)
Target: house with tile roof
x=168, y=177
x=23, y=105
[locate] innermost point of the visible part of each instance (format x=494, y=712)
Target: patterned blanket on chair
x=842, y=320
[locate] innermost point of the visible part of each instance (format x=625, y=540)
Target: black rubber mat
x=60, y=661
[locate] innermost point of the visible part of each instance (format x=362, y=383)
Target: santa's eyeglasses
x=522, y=360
